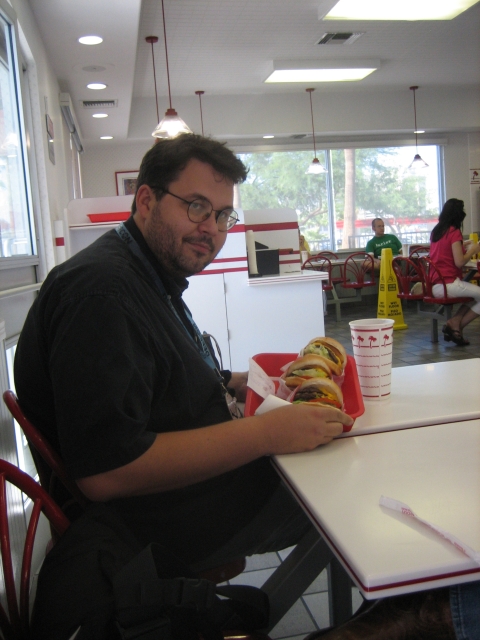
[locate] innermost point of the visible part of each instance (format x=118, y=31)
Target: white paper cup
x=372, y=348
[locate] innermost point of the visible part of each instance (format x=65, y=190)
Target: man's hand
x=302, y=427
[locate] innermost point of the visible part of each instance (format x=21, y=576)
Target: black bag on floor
x=97, y=578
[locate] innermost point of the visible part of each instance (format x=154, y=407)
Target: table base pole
x=296, y=574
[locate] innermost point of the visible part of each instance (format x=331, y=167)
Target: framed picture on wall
x=126, y=182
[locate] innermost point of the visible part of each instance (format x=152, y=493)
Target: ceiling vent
x=340, y=38
x=99, y=104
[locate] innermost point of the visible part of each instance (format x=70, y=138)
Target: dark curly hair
x=452, y=215
x=163, y=163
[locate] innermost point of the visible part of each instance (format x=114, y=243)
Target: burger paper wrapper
x=271, y=402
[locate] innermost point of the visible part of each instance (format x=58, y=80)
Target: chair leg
x=434, y=335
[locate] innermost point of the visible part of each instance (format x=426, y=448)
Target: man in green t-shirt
x=382, y=240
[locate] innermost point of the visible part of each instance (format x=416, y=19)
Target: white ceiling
x=225, y=47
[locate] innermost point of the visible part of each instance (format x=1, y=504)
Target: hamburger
x=331, y=351
x=306, y=368
x=322, y=392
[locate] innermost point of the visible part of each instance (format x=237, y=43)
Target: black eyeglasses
x=201, y=209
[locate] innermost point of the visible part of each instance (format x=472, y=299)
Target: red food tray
x=117, y=216
x=271, y=363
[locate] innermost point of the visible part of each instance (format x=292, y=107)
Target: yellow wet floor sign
x=389, y=306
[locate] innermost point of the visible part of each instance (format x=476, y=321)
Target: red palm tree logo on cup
x=359, y=340
x=385, y=338
x=372, y=339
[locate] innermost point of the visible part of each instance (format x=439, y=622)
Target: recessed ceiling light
x=106, y=137
x=99, y=115
x=90, y=40
x=321, y=70
x=405, y=10
x=96, y=86
x=268, y=137
x=419, y=131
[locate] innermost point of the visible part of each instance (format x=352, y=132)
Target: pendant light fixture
x=315, y=166
x=417, y=162
x=171, y=125
x=200, y=94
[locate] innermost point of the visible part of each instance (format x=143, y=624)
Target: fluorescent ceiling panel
x=404, y=10
x=321, y=71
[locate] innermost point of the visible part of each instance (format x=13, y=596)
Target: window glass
x=335, y=209
x=277, y=180
x=377, y=183
x=15, y=230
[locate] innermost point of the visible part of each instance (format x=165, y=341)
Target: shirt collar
x=174, y=286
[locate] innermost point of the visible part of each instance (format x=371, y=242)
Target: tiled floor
x=411, y=346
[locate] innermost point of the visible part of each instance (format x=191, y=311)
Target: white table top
x=424, y=394
x=436, y=472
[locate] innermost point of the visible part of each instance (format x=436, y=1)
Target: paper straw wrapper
x=396, y=505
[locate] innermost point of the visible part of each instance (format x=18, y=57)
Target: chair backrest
x=357, y=267
x=47, y=461
x=431, y=275
x=15, y=626
x=327, y=254
x=408, y=273
x=320, y=263
x=417, y=250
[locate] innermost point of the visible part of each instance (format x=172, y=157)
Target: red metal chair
x=50, y=466
x=415, y=251
x=432, y=275
x=16, y=625
x=320, y=263
x=337, y=267
x=408, y=274
x=359, y=271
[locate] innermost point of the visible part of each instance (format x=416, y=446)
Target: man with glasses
x=112, y=368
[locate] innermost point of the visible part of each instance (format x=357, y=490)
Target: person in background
x=304, y=245
x=112, y=369
x=448, y=253
x=382, y=240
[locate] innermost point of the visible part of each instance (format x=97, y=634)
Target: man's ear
x=145, y=201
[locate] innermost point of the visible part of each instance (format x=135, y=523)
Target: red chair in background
x=16, y=625
x=359, y=271
x=321, y=263
x=408, y=274
x=335, y=279
x=417, y=250
x=432, y=275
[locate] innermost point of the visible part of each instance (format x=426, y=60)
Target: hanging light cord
x=151, y=40
x=415, y=116
x=199, y=94
x=313, y=128
x=166, y=55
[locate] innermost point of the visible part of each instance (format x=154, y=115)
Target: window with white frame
x=16, y=237
x=336, y=208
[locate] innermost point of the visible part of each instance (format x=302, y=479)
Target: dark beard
x=168, y=250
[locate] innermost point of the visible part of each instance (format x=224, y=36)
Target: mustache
x=203, y=239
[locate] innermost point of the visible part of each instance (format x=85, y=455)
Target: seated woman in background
x=446, y=251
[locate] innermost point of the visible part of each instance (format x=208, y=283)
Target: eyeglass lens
x=200, y=210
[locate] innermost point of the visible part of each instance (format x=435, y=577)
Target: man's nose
x=209, y=225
